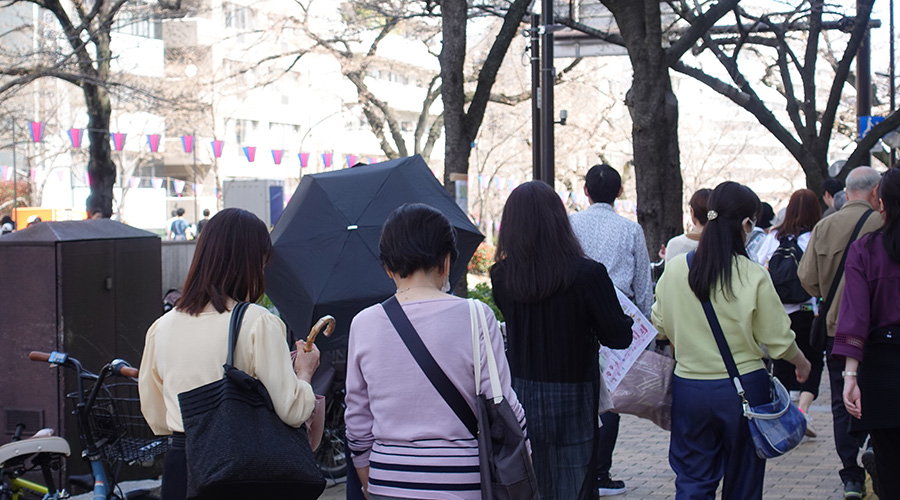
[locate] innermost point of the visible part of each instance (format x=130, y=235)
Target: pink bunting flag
x=75, y=135
x=326, y=159
x=304, y=159
x=276, y=155
x=119, y=141
x=179, y=186
x=187, y=141
x=6, y=173
x=371, y=161
x=156, y=182
x=250, y=153
x=198, y=188
x=37, y=131
x=153, y=141
x=351, y=160
x=33, y=173
x=86, y=178
x=217, y=148
x=134, y=182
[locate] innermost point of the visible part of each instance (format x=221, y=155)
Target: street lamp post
x=547, y=77
x=15, y=175
x=196, y=206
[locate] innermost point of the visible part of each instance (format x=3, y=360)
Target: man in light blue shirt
x=619, y=244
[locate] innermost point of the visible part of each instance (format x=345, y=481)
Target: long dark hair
x=889, y=192
x=536, y=245
x=229, y=262
x=723, y=238
x=801, y=214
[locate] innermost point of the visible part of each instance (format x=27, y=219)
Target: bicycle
x=42, y=451
x=111, y=428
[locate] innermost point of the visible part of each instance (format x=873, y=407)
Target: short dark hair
x=536, y=247
x=416, y=236
x=764, y=216
x=206, y=212
x=229, y=262
x=180, y=212
x=603, y=183
x=698, y=204
x=832, y=186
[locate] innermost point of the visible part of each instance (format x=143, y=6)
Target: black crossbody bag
x=504, y=462
x=818, y=335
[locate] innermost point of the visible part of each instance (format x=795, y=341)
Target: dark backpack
x=783, y=268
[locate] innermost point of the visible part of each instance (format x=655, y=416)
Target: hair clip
x=712, y=214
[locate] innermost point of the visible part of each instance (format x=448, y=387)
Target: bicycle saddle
x=33, y=446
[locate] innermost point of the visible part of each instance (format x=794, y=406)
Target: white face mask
x=446, y=287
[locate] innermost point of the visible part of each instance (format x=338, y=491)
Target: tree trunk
x=101, y=168
x=457, y=146
x=654, y=115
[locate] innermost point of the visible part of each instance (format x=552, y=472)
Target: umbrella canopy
x=326, y=259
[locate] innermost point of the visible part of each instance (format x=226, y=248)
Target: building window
x=245, y=131
x=237, y=16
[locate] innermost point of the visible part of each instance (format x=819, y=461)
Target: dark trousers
x=801, y=324
x=847, y=446
x=886, y=444
x=174, y=480
x=606, y=443
x=711, y=440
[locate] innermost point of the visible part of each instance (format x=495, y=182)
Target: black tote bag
x=237, y=446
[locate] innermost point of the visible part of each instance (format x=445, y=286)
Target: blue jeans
x=711, y=438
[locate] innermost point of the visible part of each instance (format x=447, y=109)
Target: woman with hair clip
x=559, y=306
x=868, y=336
x=710, y=437
x=187, y=346
x=800, y=216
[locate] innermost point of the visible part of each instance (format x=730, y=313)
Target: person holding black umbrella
x=404, y=439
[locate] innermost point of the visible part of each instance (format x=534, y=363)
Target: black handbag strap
x=427, y=363
x=826, y=305
x=722, y=343
x=234, y=329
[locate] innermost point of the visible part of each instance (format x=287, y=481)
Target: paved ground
x=808, y=472
x=641, y=460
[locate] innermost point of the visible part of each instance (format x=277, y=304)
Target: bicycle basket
x=117, y=426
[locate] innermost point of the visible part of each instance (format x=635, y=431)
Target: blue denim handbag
x=776, y=427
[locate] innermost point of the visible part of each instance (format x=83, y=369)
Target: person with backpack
x=781, y=252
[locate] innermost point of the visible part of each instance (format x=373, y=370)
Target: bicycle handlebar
x=39, y=356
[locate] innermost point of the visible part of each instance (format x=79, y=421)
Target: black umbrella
x=325, y=259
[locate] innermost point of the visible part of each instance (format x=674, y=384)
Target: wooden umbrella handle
x=326, y=322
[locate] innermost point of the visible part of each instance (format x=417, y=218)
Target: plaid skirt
x=562, y=428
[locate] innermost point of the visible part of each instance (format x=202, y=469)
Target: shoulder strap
x=719, y=335
x=427, y=363
x=234, y=329
x=840, y=270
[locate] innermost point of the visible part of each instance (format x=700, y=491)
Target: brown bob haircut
x=229, y=262
x=801, y=214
